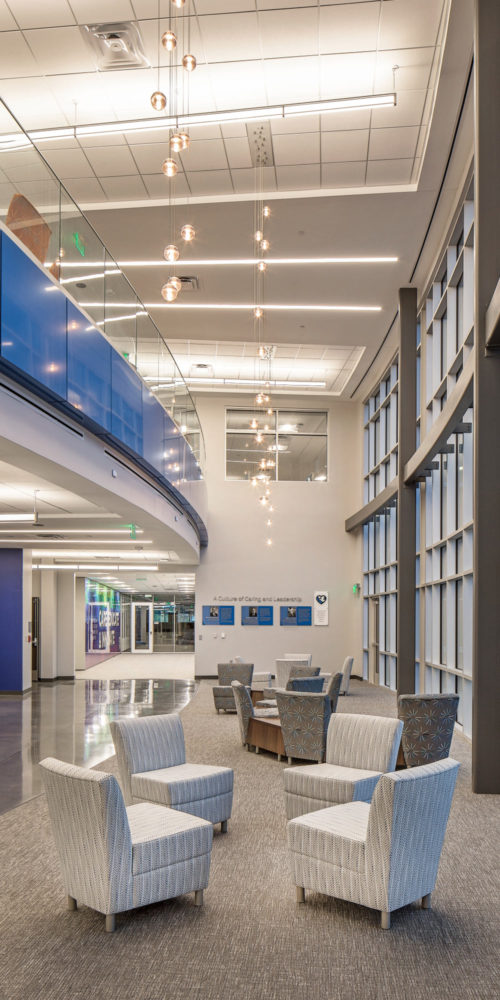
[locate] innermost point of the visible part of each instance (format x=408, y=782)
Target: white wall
x=311, y=549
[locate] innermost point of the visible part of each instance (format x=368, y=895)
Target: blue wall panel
x=33, y=319
x=126, y=403
x=89, y=369
x=11, y=619
x=153, y=430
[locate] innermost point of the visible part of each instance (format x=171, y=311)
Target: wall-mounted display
x=254, y=614
x=218, y=614
x=321, y=607
x=294, y=615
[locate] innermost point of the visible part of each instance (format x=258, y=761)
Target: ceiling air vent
x=200, y=369
x=116, y=46
x=190, y=282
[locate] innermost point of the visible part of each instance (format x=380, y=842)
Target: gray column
x=406, y=494
x=486, y=647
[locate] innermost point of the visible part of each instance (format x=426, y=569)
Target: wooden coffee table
x=266, y=734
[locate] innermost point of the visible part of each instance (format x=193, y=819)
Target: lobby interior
x=313, y=411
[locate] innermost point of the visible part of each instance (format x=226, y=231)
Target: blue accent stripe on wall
x=11, y=619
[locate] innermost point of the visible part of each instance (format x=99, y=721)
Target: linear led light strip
x=71, y=531
x=94, y=567
x=246, y=307
x=274, y=384
x=17, y=141
x=225, y=262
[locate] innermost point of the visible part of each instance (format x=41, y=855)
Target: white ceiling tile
x=303, y=123
x=129, y=92
x=293, y=149
x=89, y=141
x=349, y=27
x=338, y=146
x=85, y=189
x=150, y=33
x=244, y=180
x=220, y=6
x=111, y=161
x=298, y=177
x=347, y=75
x=157, y=186
x=210, y=182
x=236, y=130
x=201, y=91
x=392, y=142
x=61, y=49
x=205, y=132
x=6, y=20
x=205, y=155
x=15, y=56
x=123, y=188
x=342, y=121
x=149, y=158
x=414, y=66
x=288, y=33
x=389, y=172
x=343, y=174
x=7, y=189
x=229, y=37
x=68, y=163
x=238, y=153
x=33, y=103
x=406, y=23
x=408, y=110
x=159, y=138
x=50, y=13
x=30, y=170
x=90, y=11
x=89, y=93
x=267, y=4
x=289, y=81
x=236, y=85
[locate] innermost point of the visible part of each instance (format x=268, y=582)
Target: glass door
x=141, y=630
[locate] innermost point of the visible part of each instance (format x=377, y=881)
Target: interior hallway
x=161, y=666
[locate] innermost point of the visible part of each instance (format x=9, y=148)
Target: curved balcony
x=72, y=327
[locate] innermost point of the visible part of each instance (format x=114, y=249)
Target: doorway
x=35, y=637
x=373, y=640
x=141, y=627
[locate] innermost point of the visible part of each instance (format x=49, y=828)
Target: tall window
x=287, y=445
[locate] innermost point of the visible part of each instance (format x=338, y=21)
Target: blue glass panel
x=126, y=404
x=89, y=369
x=174, y=451
x=33, y=319
x=153, y=429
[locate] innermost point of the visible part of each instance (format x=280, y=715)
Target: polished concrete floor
x=161, y=666
x=70, y=720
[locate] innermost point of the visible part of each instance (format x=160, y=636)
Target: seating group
x=357, y=829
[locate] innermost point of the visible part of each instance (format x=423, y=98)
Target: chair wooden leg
x=385, y=920
x=426, y=901
x=110, y=922
x=257, y=749
x=223, y=826
x=198, y=897
x=301, y=894
x=279, y=757
x=290, y=761
x=72, y=904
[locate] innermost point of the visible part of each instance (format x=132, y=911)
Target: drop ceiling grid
x=224, y=178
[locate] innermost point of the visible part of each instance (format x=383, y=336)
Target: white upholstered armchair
x=115, y=858
x=359, y=748
x=152, y=763
x=383, y=855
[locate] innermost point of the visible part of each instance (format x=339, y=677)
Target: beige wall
x=311, y=550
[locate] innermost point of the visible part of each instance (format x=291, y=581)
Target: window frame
x=287, y=409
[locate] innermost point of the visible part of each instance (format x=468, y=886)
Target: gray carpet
x=251, y=939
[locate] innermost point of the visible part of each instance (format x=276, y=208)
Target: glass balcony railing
x=101, y=309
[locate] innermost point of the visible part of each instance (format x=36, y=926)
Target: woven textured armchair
x=115, y=858
x=359, y=749
x=383, y=855
x=227, y=673
x=284, y=669
x=246, y=711
x=332, y=689
x=152, y=763
x=346, y=674
x=304, y=722
x=428, y=723
x=310, y=685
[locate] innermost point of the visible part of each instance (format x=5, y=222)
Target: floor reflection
x=70, y=720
